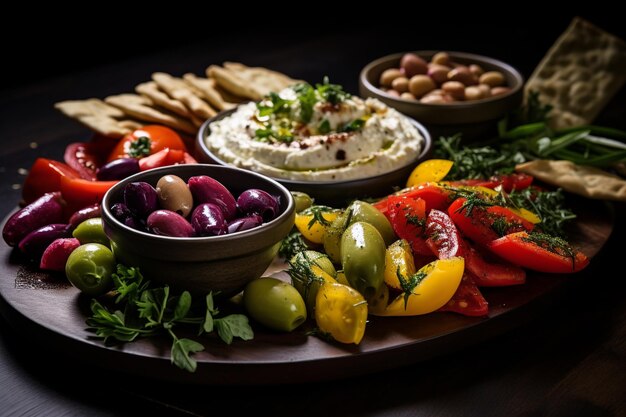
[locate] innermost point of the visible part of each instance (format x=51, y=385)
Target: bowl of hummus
x=320, y=140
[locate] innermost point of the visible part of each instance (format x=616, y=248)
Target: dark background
x=44, y=47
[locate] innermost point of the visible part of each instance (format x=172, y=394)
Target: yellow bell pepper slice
x=432, y=170
x=312, y=222
x=440, y=280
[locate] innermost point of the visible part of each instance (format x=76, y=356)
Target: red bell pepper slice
x=408, y=219
x=45, y=177
x=539, y=252
x=165, y=157
x=490, y=274
x=514, y=181
x=467, y=300
x=486, y=224
x=79, y=193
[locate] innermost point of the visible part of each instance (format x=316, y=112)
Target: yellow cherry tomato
x=398, y=260
x=432, y=170
x=341, y=278
x=436, y=284
x=312, y=222
x=341, y=312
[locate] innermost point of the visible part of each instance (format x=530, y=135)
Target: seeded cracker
x=580, y=73
x=151, y=90
x=206, y=87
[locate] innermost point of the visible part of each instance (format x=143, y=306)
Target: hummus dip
x=316, y=133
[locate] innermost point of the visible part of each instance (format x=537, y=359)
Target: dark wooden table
x=568, y=361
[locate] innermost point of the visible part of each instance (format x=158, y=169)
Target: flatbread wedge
x=98, y=116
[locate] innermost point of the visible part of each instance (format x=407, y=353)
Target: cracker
x=98, y=116
x=178, y=89
x=206, y=88
x=151, y=90
x=580, y=73
x=587, y=181
x=249, y=82
x=143, y=108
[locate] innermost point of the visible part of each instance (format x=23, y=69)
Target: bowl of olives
x=198, y=227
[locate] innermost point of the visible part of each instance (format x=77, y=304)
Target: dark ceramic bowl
x=201, y=264
x=474, y=119
x=335, y=193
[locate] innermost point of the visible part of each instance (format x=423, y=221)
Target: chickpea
x=473, y=93
x=441, y=58
x=433, y=99
x=407, y=96
x=492, y=79
x=439, y=73
x=476, y=69
x=454, y=89
x=485, y=89
x=496, y=91
x=463, y=75
x=420, y=85
x=400, y=84
x=393, y=93
x=388, y=75
x=412, y=65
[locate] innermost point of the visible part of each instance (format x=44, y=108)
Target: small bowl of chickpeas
x=448, y=92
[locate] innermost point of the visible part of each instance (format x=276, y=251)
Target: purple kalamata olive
x=38, y=240
x=245, y=223
x=83, y=214
x=169, y=223
x=208, y=220
x=123, y=214
x=207, y=190
x=140, y=198
x=47, y=209
x=255, y=201
x=118, y=169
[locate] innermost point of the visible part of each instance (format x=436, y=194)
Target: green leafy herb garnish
x=408, y=284
x=553, y=244
x=140, y=147
x=149, y=311
x=292, y=244
x=332, y=93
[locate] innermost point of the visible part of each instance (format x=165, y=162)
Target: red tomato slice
x=161, y=137
x=165, y=157
x=486, y=224
x=490, y=274
x=79, y=193
x=539, y=252
x=467, y=300
x=514, y=181
x=44, y=177
x=443, y=237
x=408, y=219
x=84, y=158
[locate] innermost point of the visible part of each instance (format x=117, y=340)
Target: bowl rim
x=106, y=211
x=517, y=76
x=204, y=129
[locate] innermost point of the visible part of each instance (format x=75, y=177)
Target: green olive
x=302, y=200
x=363, y=258
x=305, y=280
x=365, y=212
x=89, y=268
x=274, y=303
x=174, y=195
x=91, y=231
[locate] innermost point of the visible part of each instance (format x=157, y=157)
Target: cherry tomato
x=44, y=177
x=341, y=312
x=83, y=157
x=161, y=137
x=539, y=252
x=443, y=237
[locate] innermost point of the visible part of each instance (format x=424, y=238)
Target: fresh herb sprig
x=140, y=147
x=294, y=243
x=145, y=311
x=548, y=205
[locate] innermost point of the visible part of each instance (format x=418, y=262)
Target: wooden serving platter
x=46, y=309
